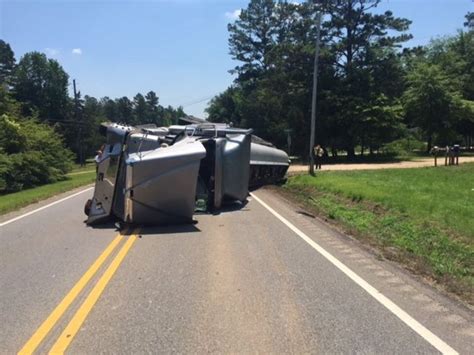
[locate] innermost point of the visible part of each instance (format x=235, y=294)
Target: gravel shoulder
x=419, y=163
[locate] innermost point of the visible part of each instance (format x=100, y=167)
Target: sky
x=177, y=48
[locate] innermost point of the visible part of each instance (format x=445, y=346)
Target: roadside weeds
x=425, y=249
x=17, y=200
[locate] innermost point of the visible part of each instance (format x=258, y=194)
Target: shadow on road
x=231, y=207
x=126, y=229
x=105, y=225
x=170, y=229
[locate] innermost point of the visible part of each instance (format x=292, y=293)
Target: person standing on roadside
x=98, y=157
x=318, y=152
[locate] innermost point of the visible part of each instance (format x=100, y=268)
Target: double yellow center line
x=80, y=316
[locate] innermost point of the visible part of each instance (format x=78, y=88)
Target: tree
x=109, y=108
x=7, y=63
x=8, y=104
x=356, y=32
x=93, y=116
x=432, y=103
x=454, y=56
x=125, y=110
x=381, y=123
x=359, y=67
x=275, y=42
x=40, y=84
x=224, y=107
x=171, y=115
x=155, y=111
x=363, y=51
x=252, y=37
x=469, y=21
x=140, y=110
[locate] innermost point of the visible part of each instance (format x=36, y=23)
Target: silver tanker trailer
x=161, y=175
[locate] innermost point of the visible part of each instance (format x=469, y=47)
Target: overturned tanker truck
x=162, y=175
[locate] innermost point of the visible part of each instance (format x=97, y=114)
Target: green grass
x=421, y=217
x=88, y=166
x=13, y=201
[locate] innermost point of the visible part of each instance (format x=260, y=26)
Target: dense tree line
x=371, y=91
x=40, y=124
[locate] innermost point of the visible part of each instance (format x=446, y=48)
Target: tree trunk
x=350, y=153
x=430, y=143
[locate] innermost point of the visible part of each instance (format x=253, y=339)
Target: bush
x=4, y=168
x=31, y=154
x=404, y=146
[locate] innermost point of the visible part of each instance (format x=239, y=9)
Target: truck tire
x=87, y=207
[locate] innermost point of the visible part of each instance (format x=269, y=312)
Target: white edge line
x=44, y=207
x=386, y=302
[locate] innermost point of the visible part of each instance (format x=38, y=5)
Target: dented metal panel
x=161, y=184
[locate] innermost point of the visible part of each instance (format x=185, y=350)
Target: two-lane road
x=255, y=278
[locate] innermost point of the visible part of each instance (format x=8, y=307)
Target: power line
x=198, y=101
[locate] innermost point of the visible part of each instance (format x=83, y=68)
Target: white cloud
x=234, y=15
x=52, y=52
x=77, y=51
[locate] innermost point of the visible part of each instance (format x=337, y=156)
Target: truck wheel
x=87, y=207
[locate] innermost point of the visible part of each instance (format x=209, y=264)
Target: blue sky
x=178, y=48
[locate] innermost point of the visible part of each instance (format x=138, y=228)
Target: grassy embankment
x=422, y=217
x=79, y=177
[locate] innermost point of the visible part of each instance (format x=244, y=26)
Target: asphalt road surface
x=260, y=277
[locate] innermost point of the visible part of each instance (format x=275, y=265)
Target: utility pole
x=77, y=115
x=315, y=90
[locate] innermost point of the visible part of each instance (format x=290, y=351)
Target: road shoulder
x=34, y=206
x=435, y=310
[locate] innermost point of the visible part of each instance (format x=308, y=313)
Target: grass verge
x=422, y=218
x=88, y=166
x=14, y=201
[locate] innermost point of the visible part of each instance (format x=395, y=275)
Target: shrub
x=404, y=146
x=31, y=154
